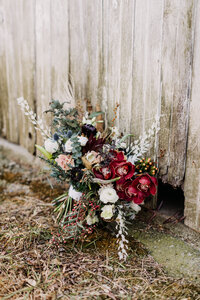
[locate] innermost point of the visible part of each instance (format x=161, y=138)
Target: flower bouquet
x=107, y=174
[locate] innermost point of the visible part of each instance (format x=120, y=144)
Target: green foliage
x=44, y=152
x=56, y=171
x=76, y=150
x=63, y=119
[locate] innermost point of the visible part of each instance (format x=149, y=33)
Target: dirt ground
x=31, y=267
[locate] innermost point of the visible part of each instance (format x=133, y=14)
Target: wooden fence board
x=176, y=69
x=43, y=59
x=192, y=176
x=59, y=20
x=147, y=64
x=3, y=78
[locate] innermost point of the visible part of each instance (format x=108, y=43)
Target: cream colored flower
x=107, y=211
x=51, y=146
x=91, y=218
x=68, y=146
x=107, y=194
x=93, y=157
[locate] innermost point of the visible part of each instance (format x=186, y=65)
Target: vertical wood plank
x=19, y=59
x=112, y=16
x=85, y=47
x=3, y=78
x=126, y=65
x=13, y=71
x=43, y=60
x=27, y=134
x=176, y=69
x=192, y=176
x=59, y=49
x=147, y=64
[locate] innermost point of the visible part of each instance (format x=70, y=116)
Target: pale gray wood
x=18, y=67
x=175, y=77
x=3, y=77
x=43, y=60
x=192, y=176
x=59, y=49
x=147, y=65
x=85, y=47
x=112, y=17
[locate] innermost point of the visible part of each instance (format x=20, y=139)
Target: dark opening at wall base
x=172, y=198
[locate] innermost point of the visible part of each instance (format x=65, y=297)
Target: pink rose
x=65, y=161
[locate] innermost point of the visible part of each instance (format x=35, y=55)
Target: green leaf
x=102, y=181
x=44, y=152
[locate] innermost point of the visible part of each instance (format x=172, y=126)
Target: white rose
x=51, y=146
x=74, y=194
x=107, y=212
x=91, y=218
x=68, y=146
x=108, y=195
x=135, y=206
x=82, y=140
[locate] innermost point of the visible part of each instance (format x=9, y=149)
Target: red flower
x=146, y=184
x=123, y=169
x=138, y=189
x=117, y=155
x=142, y=187
x=127, y=192
x=105, y=173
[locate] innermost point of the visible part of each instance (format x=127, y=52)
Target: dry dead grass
x=32, y=268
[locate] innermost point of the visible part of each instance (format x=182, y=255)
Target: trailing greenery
x=63, y=119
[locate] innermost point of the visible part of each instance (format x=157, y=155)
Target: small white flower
x=135, y=207
x=82, y=140
x=107, y=212
x=51, y=146
x=107, y=194
x=91, y=218
x=68, y=146
x=74, y=194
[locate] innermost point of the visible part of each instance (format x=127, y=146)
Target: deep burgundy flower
x=142, y=187
x=138, y=189
x=146, y=184
x=106, y=172
x=123, y=169
x=117, y=155
x=127, y=192
x=89, y=130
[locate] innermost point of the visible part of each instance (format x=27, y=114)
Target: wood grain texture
x=176, y=70
x=192, y=176
x=43, y=60
x=59, y=20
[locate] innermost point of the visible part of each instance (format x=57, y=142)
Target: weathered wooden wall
x=143, y=54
